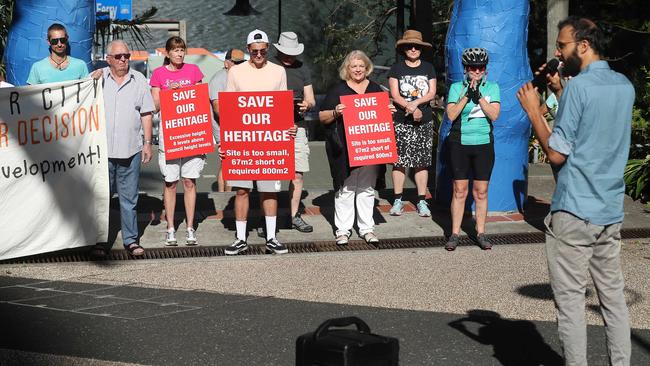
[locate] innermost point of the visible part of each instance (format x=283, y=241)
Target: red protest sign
x=255, y=137
x=186, y=121
x=369, y=129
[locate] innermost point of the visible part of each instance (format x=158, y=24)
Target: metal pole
x=400, y=23
x=556, y=11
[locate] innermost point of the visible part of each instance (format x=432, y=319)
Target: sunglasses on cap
x=119, y=56
x=476, y=68
x=55, y=41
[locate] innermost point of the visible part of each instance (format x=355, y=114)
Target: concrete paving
x=468, y=307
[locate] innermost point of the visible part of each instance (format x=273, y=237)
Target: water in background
x=207, y=27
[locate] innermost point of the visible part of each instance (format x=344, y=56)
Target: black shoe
x=273, y=245
x=452, y=242
x=261, y=231
x=483, y=242
x=237, y=247
x=299, y=224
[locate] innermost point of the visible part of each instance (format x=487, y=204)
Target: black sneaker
x=483, y=242
x=299, y=224
x=452, y=242
x=273, y=245
x=237, y=247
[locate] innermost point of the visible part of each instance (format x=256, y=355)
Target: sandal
x=98, y=251
x=135, y=250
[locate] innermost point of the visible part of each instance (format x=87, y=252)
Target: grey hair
x=109, y=48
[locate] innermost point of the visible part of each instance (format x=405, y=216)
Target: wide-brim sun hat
x=289, y=45
x=412, y=36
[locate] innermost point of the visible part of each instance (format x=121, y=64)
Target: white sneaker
x=190, y=236
x=170, y=238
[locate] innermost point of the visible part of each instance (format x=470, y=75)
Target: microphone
x=550, y=69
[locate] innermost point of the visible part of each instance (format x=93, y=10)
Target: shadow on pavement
x=152, y=208
x=543, y=291
x=534, y=212
x=515, y=342
x=442, y=217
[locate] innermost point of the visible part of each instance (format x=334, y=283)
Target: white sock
x=241, y=230
x=270, y=227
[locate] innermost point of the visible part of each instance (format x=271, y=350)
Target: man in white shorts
x=257, y=74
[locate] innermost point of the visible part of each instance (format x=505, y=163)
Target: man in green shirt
x=58, y=66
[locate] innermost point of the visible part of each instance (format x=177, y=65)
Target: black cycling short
x=478, y=159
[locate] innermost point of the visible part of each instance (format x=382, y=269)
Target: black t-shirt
x=413, y=83
x=298, y=76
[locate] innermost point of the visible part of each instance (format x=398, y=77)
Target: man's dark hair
x=56, y=27
x=585, y=30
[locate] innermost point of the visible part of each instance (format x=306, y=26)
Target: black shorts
x=478, y=159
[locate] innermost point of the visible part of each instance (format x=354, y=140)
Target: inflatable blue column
x=27, y=41
x=500, y=26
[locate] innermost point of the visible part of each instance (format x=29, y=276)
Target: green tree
x=6, y=16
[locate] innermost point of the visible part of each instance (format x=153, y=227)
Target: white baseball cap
x=257, y=36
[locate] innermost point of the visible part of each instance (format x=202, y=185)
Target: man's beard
x=572, y=64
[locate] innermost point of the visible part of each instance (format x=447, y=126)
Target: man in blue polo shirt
x=590, y=143
x=58, y=66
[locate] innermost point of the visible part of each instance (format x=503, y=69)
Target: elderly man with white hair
x=129, y=107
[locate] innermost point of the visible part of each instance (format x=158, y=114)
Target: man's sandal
x=135, y=250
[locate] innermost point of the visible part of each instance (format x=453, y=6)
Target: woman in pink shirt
x=176, y=74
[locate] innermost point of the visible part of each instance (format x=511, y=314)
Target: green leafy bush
x=637, y=178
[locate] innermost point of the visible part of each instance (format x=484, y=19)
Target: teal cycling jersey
x=472, y=127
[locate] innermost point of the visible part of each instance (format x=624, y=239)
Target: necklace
x=58, y=64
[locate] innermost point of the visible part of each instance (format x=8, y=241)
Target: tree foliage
x=6, y=16
x=347, y=25
x=107, y=30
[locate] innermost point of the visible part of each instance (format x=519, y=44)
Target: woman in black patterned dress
x=412, y=84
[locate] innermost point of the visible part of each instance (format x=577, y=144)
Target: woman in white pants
x=353, y=185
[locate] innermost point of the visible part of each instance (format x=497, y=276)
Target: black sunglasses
x=262, y=52
x=55, y=41
x=119, y=56
x=413, y=46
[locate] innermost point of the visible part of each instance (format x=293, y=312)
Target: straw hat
x=289, y=45
x=412, y=36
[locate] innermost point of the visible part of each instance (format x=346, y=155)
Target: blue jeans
x=124, y=175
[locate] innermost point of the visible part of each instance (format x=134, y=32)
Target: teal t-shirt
x=43, y=72
x=472, y=127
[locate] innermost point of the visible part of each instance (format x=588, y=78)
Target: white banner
x=54, y=191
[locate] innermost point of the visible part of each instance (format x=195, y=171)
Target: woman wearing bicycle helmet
x=473, y=104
